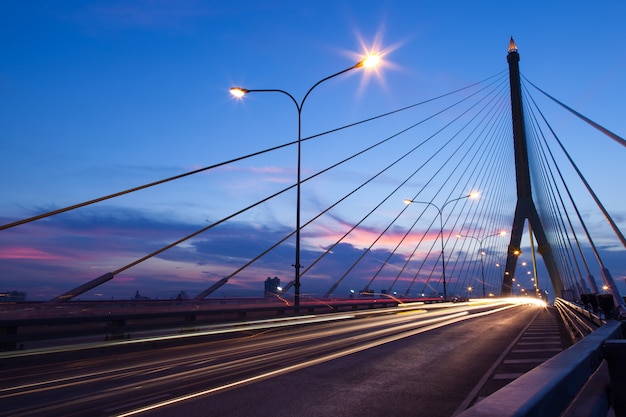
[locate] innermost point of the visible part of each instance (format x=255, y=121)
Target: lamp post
x=369, y=61
x=499, y=263
x=482, y=254
x=499, y=258
x=440, y=211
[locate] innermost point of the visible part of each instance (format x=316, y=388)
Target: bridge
x=440, y=205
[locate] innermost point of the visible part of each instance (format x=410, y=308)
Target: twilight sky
x=103, y=96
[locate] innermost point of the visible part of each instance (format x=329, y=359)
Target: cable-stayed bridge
x=357, y=235
x=471, y=194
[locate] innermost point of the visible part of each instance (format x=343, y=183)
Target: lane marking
x=520, y=361
x=508, y=376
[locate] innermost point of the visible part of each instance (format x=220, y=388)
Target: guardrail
x=561, y=385
x=114, y=319
x=579, y=322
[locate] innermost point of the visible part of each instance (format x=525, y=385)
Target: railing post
x=615, y=355
x=8, y=336
x=605, y=301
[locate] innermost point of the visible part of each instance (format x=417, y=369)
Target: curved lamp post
x=482, y=254
x=440, y=211
x=369, y=61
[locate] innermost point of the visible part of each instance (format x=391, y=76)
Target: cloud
x=146, y=14
x=67, y=250
x=273, y=170
x=172, y=15
x=48, y=257
x=26, y=253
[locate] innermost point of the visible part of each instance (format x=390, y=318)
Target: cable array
x=359, y=236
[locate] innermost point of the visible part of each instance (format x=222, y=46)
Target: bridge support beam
x=83, y=288
x=525, y=208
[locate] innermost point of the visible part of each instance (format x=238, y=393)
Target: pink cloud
x=257, y=169
x=363, y=237
x=27, y=253
x=125, y=279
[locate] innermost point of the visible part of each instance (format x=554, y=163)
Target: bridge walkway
x=544, y=337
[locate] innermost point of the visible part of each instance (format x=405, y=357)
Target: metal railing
x=554, y=388
x=579, y=322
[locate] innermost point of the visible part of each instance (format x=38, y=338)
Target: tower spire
x=512, y=46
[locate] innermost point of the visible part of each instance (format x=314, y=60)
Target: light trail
x=429, y=324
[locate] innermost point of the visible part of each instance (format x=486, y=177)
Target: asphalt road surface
x=416, y=361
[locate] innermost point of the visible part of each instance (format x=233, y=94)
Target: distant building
x=272, y=286
x=140, y=297
x=12, y=296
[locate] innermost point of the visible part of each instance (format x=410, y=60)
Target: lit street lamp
x=499, y=263
x=440, y=211
x=369, y=61
x=482, y=254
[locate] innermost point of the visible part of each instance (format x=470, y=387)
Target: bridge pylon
x=525, y=208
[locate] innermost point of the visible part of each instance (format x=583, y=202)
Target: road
x=416, y=360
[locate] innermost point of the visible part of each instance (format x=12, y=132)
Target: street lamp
x=482, y=254
x=440, y=211
x=499, y=263
x=369, y=61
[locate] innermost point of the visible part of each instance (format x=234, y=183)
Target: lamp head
x=369, y=61
x=238, y=92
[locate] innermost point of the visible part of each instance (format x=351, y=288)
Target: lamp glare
x=371, y=61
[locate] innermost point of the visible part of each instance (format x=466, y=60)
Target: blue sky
x=102, y=96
